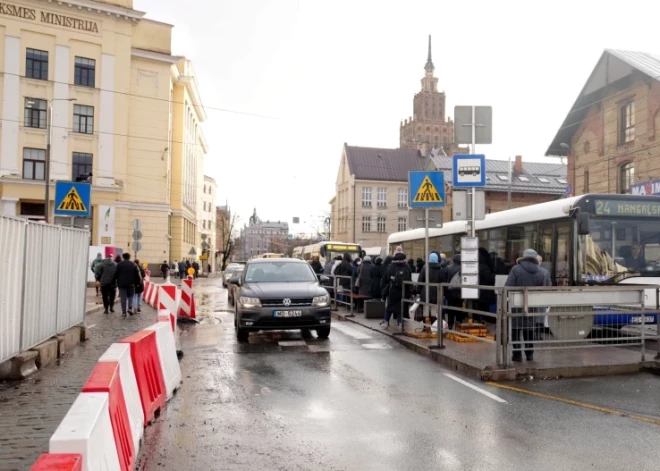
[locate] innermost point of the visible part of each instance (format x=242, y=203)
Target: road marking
x=585, y=405
x=292, y=343
x=350, y=331
x=472, y=386
x=376, y=346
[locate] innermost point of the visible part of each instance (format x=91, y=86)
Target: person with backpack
x=453, y=295
x=395, y=290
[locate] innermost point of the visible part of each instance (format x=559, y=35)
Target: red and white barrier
x=171, y=371
x=58, y=462
x=121, y=353
x=105, y=378
x=148, y=372
x=86, y=429
x=187, y=304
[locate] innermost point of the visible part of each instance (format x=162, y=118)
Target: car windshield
x=230, y=270
x=279, y=271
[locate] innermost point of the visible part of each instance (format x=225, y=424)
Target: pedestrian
x=525, y=273
x=128, y=277
x=165, y=269
x=195, y=267
x=398, y=272
x=106, y=272
x=139, y=289
x=175, y=266
x=95, y=263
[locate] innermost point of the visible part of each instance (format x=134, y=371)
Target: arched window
x=626, y=177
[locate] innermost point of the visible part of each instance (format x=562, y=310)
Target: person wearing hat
x=436, y=275
x=106, y=274
x=527, y=273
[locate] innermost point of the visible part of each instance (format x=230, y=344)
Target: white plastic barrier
x=121, y=353
x=86, y=429
x=167, y=355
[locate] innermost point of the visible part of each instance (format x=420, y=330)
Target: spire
x=429, y=62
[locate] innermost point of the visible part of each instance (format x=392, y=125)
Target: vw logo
x=286, y=302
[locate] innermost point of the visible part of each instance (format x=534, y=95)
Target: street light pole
x=47, y=170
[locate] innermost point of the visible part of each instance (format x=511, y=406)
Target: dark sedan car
x=280, y=294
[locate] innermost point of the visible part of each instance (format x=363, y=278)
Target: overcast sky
x=346, y=71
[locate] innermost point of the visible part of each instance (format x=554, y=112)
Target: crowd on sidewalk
x=119, y=276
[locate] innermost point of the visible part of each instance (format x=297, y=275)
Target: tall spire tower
x=429, y=62
x=429, y=82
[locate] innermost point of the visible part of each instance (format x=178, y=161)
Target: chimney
x=425, y=148
x=517, y=167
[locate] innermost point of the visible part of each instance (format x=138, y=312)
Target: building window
x=366, y=196
x=203, y=223
x=81, y=164
x=33, y=209
x=627, y=123
x=380, y=227
x=83, y=119
x=626, y=177
x=586, y=181
x=36, y=64
x=444, y=142
x=34, y=164
x=382, y=197
x=366, y=223
x=204, y=188
x=402, y=198
x=84, y=73
x=403, y=224
x=35, y=113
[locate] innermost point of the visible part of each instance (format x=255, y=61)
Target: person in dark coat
x=139, y=289
x=436, y=275
x=364, y=276
x=106, y=272
x=376, y=279
x=419, y=265
x=486, y=278
x=453, y=295
x=316, y=265
x=411, y=264
x=397, y=272
x=128, y=277
x=345, y=269
x=525, y=273
x=384, y=279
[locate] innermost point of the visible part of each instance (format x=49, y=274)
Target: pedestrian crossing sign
x=426, y=189
x=72, y=199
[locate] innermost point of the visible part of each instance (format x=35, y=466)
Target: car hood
x=284, y=290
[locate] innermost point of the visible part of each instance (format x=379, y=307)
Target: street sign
x=137, y=235
x=296, y=220
x=482, y=124
x=137, y=225
x=469, y=170
x=426, y=189
x=205, y=245
x=204, y=236
x=73, y=199
x=137, y=246
x=461, y=206
x=417, y=217
x=192, y=251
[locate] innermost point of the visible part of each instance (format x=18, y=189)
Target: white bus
x=589, y=239
x=327, y=250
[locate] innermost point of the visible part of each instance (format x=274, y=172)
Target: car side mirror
x=583, y=223
x=323, y=279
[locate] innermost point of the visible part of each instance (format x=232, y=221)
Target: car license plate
x=647, y=319
x=287, y=313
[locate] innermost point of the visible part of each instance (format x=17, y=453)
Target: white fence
x=44, y=282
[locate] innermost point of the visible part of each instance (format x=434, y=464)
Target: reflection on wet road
x=360, y=401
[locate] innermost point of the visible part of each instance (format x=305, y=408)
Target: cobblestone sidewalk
x=31, y=410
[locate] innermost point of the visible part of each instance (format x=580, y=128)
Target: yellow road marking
x=586, y=405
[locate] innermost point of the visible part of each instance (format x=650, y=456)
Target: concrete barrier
x=121, y=353
x=58, y=462
x=86, y=429
x=171, y=371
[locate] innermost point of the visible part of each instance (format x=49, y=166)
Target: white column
x=8, y=206
x=10, y=108
x=59, y=150
x=105, y=160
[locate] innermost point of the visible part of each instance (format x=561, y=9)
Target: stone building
x=100, y=79
x=207, y=214
x=260, y=236
x=429, y=123
x=610, y=133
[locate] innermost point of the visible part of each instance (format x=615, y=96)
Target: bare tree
x=225, y=228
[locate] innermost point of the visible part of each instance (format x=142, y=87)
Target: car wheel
x=323, y=332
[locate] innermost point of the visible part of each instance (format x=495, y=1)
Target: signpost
x=472, y=125
x=426, y=189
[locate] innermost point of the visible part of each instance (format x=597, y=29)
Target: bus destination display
x=344, y=248
x=623, y=209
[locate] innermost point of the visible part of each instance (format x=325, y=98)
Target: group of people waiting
x=384, y=280
x=119, y=274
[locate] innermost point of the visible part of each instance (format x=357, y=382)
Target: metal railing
x=44, y=284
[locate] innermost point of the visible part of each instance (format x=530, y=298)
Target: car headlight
x=249, y=302
x=320, y=301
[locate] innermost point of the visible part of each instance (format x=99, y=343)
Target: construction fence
x=43, y=287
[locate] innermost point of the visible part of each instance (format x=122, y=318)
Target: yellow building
x=120, y=106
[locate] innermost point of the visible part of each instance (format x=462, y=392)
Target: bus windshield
x=334, y=250
x=620, y=244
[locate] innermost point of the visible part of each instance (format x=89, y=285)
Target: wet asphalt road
x=360, y=401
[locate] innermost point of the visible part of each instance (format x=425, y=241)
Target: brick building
x=610, y=133
x=429, y=123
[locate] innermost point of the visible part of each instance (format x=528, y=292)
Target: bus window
x=519, y=239
x=546, y=236
x=562, y=271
